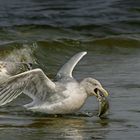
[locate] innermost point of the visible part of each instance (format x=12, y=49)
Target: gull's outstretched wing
x=33, y=83
x=66, y=70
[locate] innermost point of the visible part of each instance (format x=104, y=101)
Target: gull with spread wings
x=63, y=96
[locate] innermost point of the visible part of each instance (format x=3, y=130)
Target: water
x=47, y=33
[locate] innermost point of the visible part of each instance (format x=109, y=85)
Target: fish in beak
x=101, y=95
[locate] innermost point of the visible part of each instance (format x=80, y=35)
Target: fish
x=103, y=105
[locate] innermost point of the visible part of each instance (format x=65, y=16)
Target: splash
x=15, y=61
x=23, y=54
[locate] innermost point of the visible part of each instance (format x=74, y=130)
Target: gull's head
x=93, y=87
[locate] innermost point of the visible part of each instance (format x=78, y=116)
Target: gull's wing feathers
x=33, y=83
x=13, y=68
x=66, y=70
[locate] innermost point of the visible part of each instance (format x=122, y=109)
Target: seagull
x=64, y=96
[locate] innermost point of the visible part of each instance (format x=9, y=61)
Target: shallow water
x=48, y=33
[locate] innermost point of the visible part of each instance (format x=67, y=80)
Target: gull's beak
x=103, y=91
x=100, y=91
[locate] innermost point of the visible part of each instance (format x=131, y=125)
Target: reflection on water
x=53, y=127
